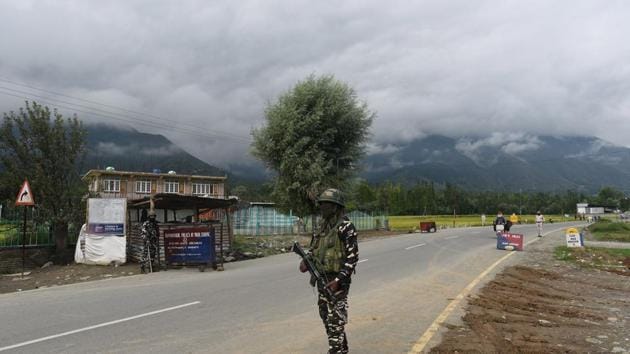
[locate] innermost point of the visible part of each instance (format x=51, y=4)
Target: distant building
x=110, y=183
x=581, y=208
x=586, y=209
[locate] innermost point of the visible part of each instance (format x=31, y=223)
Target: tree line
x=428, y=198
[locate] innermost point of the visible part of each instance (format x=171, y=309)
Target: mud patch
x=533, y=310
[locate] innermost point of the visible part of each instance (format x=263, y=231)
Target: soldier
x=335, y=251
x=150, y=237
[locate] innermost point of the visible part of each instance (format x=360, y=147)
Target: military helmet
x=332, y=195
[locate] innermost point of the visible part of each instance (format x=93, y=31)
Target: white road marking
x=97, y=326
x=450, y=237
x=410, y=247
x=361, y=261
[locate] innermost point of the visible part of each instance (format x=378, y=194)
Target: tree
x=42, y=146
x=314, y=136
x=610, y=197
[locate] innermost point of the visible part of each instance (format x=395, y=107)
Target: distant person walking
x=540, y=219
x=514, y=218
x=483, y=219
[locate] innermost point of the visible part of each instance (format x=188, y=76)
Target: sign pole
x=25, y=199
x=24, y=241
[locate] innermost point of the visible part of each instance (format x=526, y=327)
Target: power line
x=114, y=117
x=214, y=132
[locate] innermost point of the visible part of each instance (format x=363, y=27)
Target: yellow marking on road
x=435, y=326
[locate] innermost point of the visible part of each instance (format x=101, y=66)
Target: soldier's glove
x=333, y=286
x=303, y=268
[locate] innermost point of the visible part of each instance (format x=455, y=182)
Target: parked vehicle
x=428, y=226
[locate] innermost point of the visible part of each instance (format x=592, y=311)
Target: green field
x=411, y=223
x=610, y=231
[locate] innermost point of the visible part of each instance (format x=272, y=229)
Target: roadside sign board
x=106, y=216
x=25, y=196
x=508, y=241
x=189, y=245
x=574, y=238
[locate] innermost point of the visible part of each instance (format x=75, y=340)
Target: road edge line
x=435, y=325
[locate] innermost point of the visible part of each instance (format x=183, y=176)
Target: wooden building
x=179, y=201
x=109, y=183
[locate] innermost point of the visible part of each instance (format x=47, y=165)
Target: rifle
x=320, y=278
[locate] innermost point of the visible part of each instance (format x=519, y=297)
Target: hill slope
x=515, y=162
x=130, y=150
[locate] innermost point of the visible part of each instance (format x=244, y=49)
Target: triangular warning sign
x=25, y=197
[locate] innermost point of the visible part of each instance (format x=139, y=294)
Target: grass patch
x=610, y=231
x=612, y=259
x=564, y=253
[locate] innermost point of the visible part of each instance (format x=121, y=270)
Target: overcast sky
x=426, y=67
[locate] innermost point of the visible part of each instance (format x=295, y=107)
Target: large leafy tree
x=609, y=196
x=39, y=144
x=315, y=133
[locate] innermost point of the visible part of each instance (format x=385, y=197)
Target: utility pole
x=520, y=201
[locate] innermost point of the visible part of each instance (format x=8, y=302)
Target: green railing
x=37, y=235
x=257, y=221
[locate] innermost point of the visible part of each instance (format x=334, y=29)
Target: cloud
x=376, y=149
x=114, y=149
x=120, y=150
x=593, y=151
x=202, y=72
x=483, y=151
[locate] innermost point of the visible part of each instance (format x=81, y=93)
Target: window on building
x=171, y=187
x=111, y=185
x=202, y=188
x=143, y=186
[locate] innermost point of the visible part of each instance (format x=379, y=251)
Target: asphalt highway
x=258, y=306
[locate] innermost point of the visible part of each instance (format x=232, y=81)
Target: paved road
x=257, y=306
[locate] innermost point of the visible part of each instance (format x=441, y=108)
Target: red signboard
x=25, y=196
x=508, y=241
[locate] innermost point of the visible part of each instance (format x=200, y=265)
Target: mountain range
x=510, y=161
x=130, y=150
x=505, y=162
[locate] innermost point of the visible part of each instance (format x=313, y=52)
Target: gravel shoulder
x=544, y=305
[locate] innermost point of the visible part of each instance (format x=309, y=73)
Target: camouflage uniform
x=150, y=237
x=334, y=313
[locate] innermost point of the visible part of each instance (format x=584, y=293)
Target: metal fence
x=37, y=235
x=259, y=220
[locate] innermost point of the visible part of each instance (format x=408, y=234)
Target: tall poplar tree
x=313, y=138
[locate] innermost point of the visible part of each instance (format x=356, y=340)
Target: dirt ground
x=55, y=275
x=545, y=305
